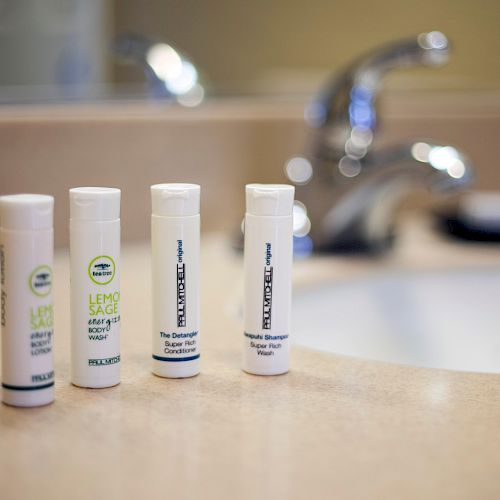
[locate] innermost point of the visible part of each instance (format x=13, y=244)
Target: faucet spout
x=348, y=103
x=170, y=74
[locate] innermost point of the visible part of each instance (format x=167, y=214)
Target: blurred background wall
x=244, y=46
x=47, y=42
x=291, y=44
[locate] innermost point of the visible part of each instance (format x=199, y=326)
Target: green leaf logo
x=102, y=270
x=40, y=280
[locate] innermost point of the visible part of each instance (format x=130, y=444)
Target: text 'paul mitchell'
x=268, y=290
x=181, y=286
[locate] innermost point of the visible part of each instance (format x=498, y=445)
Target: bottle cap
x=26, y=212
x=94, y=203
x=175, y=200
x=269, y=199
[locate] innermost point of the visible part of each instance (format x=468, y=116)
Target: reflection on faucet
x=350, y=190
x=169, y=73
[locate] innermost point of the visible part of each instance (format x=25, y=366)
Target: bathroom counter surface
x=334, y=427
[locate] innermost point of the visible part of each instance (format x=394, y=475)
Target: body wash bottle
x=268, y=278
x=26, y=255
x=175, y=241
x=95, y=286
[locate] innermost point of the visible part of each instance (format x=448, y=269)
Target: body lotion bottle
x=95, y=286
x=268, y=278
x=26, y=255
x=175, y=242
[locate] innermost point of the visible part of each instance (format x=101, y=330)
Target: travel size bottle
x=175, y=241
x=26, y=256
x=268, y=278
x=95, y=286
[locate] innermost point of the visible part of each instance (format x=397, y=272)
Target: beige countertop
x=334, y=427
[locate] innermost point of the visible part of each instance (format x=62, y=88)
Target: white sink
x=440, y=319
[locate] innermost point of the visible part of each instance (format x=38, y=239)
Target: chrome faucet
x=349, y=187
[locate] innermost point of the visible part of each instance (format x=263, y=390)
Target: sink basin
x=441, y=319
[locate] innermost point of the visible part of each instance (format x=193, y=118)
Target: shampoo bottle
x=268, y=278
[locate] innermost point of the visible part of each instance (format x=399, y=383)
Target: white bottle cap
x=94, y=203
x=269, y=199
x=175, y=200
x=26, y=212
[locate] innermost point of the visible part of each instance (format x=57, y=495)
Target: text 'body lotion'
x=26, y=255
x=268, y=278
x=175, y=242
x=95, y=286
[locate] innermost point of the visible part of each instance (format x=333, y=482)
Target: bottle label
x=3, y=296
x=41, y=321
x=103, y=320
x=181, y=286
x=267, y=296
x=266, y=344
x=32, y=366
x=179, y=345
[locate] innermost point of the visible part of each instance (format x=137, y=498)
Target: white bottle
x=26, y=251
x=175, y=241
x=95, y=286
x=268, y=278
